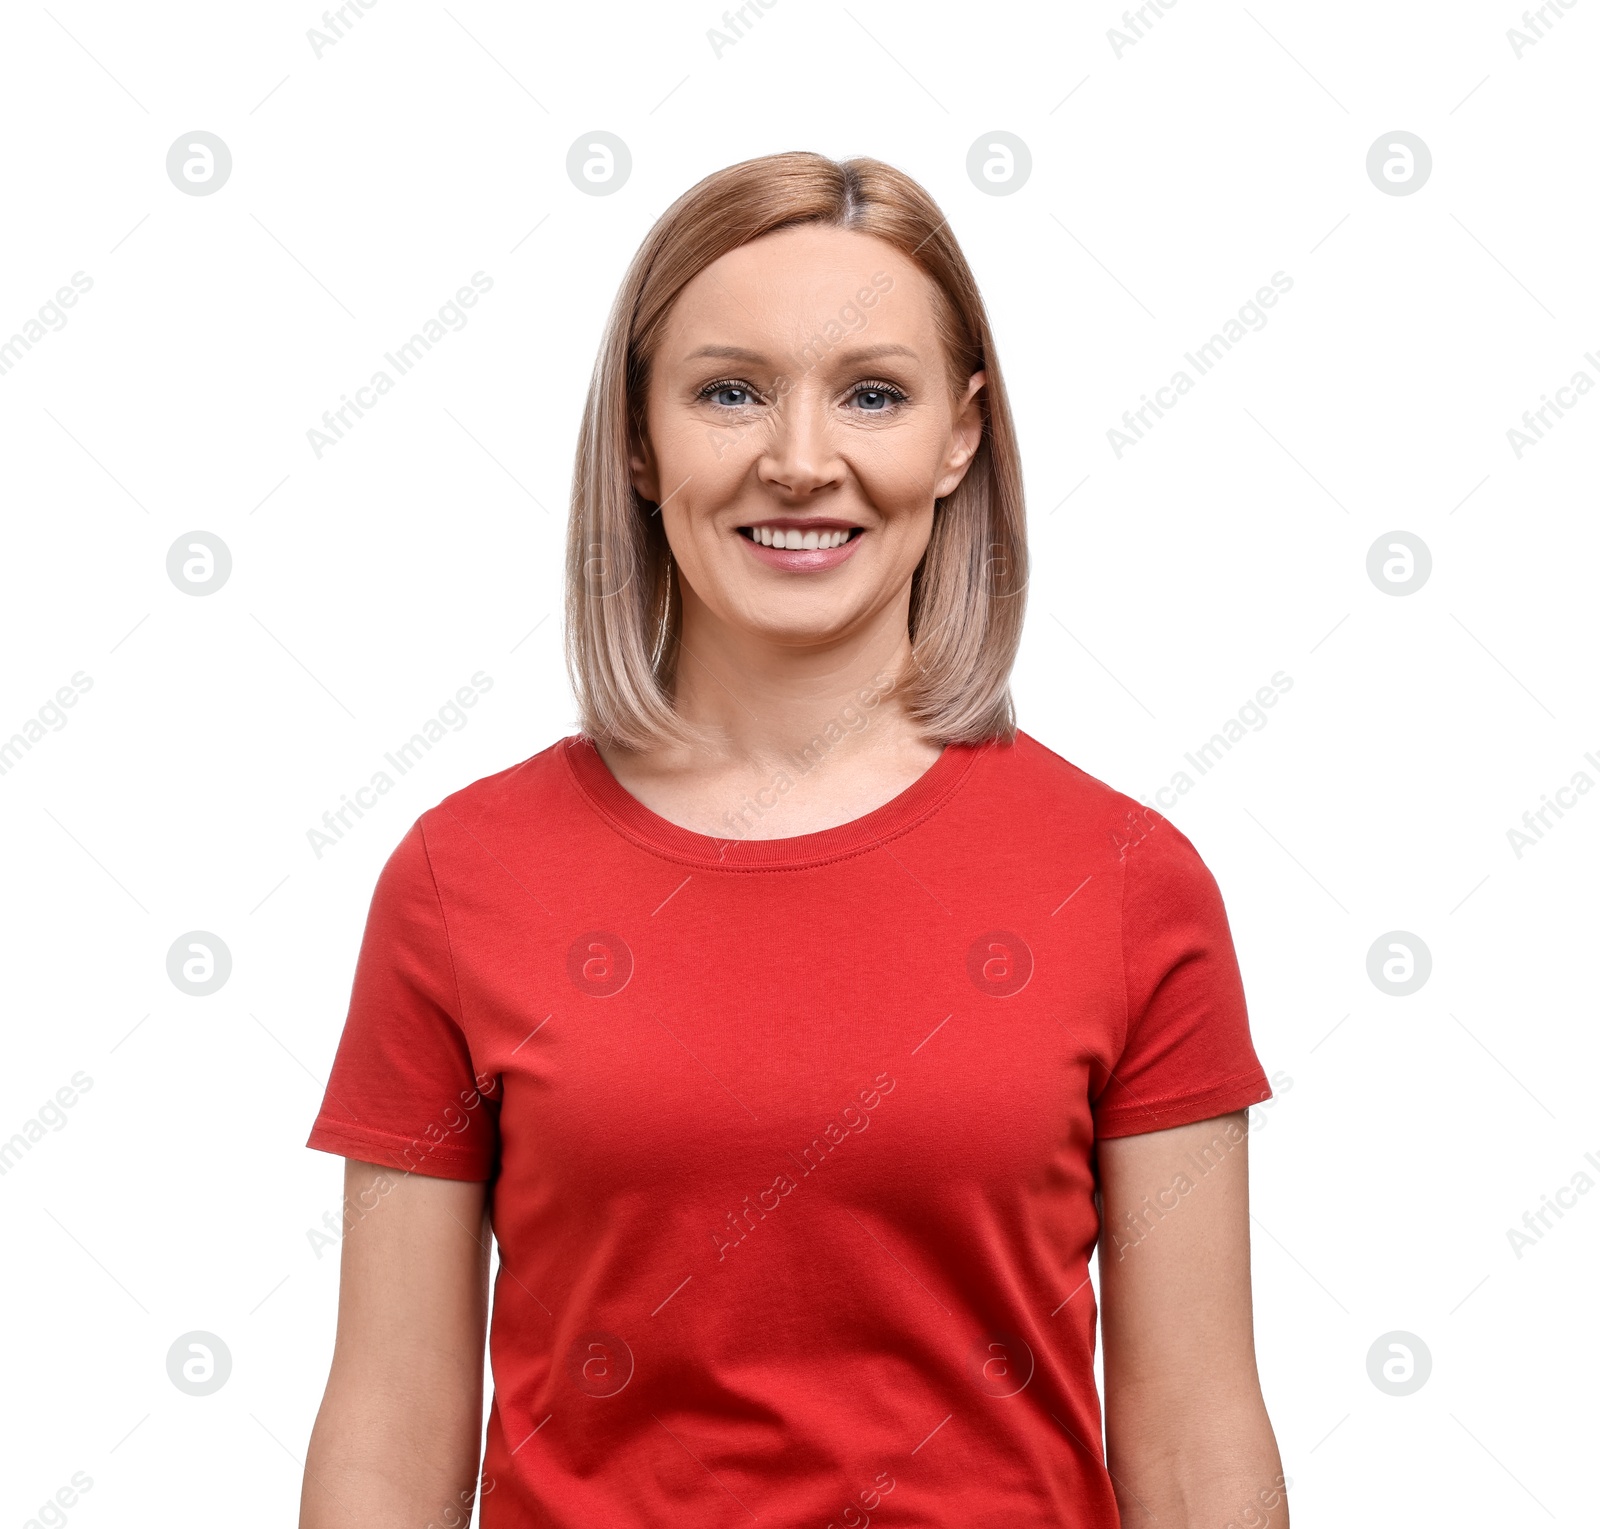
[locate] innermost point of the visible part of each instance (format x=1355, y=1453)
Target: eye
x=876, y=397
x=728, y=394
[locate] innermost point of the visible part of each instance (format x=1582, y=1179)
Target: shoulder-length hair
x=968, y=591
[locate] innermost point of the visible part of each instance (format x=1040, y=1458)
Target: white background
x=1168, y=183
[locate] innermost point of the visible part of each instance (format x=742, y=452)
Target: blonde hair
x=968, y=591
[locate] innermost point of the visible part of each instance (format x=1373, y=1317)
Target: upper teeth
x=799, y=540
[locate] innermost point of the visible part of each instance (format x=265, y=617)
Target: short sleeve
x=403, y=1091
x=1187, y=1053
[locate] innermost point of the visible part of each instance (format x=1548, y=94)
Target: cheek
x=711, y=453
x=897, y=469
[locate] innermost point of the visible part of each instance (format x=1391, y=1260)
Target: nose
x=799, y=457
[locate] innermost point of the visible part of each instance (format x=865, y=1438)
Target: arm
x=1188, y=1441
x=398, y=1435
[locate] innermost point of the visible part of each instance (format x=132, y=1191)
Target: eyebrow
x=755, y=357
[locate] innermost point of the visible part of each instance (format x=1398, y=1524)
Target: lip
x=799, y=559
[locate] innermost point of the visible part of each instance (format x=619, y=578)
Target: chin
x=800, y=627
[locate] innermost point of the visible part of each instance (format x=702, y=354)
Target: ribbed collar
x=631, y=818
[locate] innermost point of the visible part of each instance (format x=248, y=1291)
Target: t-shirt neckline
x=630, y=817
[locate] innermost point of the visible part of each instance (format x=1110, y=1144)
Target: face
x=800, y=423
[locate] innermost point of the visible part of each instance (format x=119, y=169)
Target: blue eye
x=876, y=398
x=728, y=395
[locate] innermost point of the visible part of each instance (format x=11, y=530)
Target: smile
x=802, y=546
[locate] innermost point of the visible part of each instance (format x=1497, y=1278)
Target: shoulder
x=1057, y=794
x=1067, y=805
x=535, y=792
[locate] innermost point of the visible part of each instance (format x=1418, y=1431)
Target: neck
x=762, y=700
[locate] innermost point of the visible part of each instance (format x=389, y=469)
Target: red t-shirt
x=791, y=1141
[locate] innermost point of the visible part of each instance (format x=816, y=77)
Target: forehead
x=793, y=283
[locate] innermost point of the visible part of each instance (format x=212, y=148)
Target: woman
x=788, y=1024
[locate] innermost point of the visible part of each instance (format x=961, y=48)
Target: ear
x=966, y=435
x=642, y=465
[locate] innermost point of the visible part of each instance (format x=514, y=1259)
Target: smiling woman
x=798, y=844
x=735, y=319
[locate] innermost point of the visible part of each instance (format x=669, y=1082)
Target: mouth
x=802, y=546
